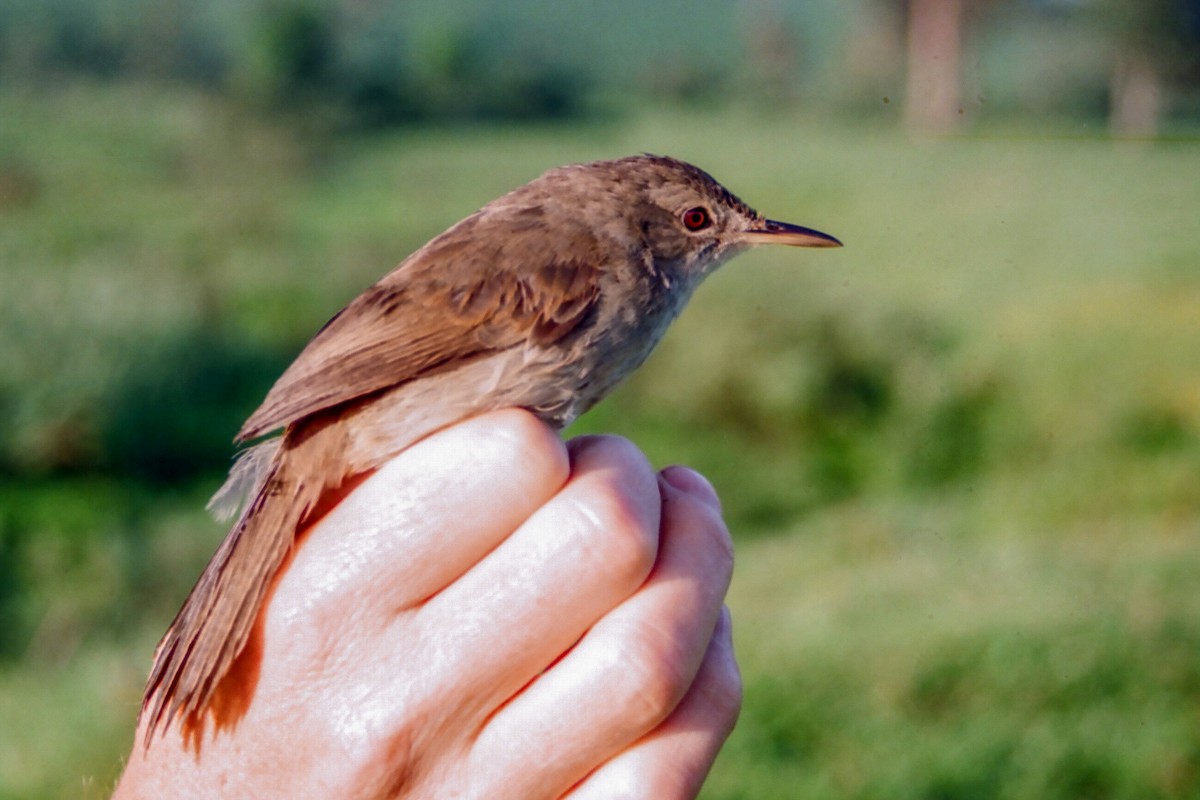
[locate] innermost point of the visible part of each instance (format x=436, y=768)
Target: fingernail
x=691, y=482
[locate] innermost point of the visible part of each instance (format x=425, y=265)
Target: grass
x=960, y=456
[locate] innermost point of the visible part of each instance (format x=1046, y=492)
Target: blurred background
x=961, y=457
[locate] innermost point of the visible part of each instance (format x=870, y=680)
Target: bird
x=544, y=299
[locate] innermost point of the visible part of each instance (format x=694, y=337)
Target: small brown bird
x=545, y=299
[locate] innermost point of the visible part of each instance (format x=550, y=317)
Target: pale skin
x=491, y=614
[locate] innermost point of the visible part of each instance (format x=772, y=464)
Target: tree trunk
x=932, y=100
x=1136, y=102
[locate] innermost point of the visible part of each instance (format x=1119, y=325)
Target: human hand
x=491, y=614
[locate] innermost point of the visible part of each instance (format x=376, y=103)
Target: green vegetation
x=961, y=457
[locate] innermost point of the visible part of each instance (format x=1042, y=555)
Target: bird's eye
x=696, y=219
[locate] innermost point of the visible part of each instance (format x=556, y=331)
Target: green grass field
x=961, y=457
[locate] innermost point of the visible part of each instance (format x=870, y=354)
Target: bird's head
x=680, y=213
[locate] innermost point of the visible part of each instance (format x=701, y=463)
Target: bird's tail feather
x=215, y=622
x=246, y=479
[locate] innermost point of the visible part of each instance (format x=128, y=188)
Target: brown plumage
x=545, y=299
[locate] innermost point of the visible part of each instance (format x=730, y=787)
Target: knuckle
x=607, y=452
x=535, y=447
x=724, y=692
x=710, y=521
x=706, y=533
x=647, y=677
x=720, y=681
x=616, y=493
x=621, y=536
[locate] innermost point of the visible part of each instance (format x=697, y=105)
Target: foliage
x=1168, y=31
x=349, y=67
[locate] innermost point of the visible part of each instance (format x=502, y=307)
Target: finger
x=693, y=483
x=673, y=760
x=577, y=557
x=427, y=516
x=630, y=670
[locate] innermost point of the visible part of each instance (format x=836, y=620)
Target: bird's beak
x=768, y=231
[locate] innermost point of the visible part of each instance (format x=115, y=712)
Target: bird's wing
x=412, y=323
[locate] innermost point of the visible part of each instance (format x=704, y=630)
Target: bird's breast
x=619, y=341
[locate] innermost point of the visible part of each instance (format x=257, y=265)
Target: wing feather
x=403, y=328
